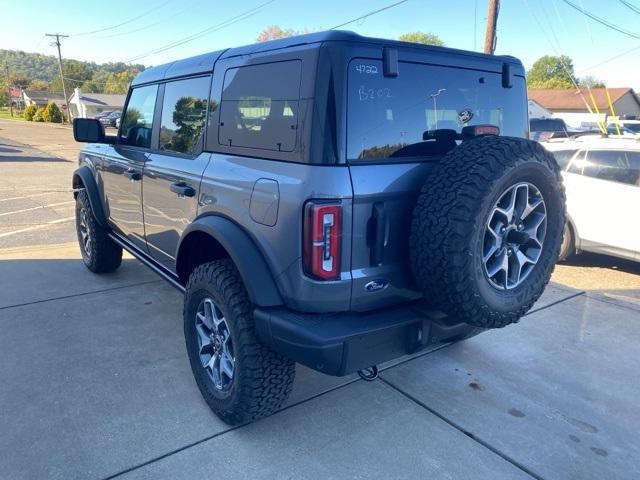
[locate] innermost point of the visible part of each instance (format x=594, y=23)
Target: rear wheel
x=100, y=254
x=240, y=378
x=487, y=229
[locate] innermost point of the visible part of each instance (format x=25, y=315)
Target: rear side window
x=563, y=157
x=387, y=117
x=184, y=108
x=614, y=165
x=259, y=107
x=137, y=122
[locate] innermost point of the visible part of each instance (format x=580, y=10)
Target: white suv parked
x=602, y=182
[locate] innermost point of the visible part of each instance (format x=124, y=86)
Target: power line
x=123, y=23
x=611, y=59
x=366, y=15
x=630, y=6
x=601, y=20
x=146, y=27
x=219, y=26
x=557, y=51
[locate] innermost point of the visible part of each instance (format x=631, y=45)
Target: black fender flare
x=85, y=175
x=249, y=260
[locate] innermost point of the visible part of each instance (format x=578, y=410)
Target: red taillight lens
x=322, y=237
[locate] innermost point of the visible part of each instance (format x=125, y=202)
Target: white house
x=538, y=111
x=88, y=105
x=569, y=104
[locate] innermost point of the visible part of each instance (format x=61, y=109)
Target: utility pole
x=492, y=21
x=64, y=90
x=6, y=67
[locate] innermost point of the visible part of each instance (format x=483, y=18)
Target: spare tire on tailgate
x=487, y=229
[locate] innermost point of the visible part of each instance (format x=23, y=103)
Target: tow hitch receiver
x=369, y=374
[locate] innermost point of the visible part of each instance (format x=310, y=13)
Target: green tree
x=119, y=82
x=273, y=32
x=551, y=72
x=39, y=85
x=591, y=82
x=421, y=37
x=75, y=74
x=52, y=113
x=19, y=80
x=39, y=115
x=97, y=82
x=29, y=112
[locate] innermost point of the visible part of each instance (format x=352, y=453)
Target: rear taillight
x=321, y=240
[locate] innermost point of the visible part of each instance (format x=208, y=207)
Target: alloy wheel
x=514, y=236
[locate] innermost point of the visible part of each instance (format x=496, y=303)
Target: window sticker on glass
x=373, y=93
x=366, y=69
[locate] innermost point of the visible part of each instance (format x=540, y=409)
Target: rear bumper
x=342, y=343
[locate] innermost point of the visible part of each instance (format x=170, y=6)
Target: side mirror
x=88, y=130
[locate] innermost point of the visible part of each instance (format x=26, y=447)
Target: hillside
x=26, y=68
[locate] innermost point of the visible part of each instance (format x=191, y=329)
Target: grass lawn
x=5, y=114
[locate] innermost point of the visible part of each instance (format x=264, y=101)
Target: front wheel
x=240, y=378
x=100, y=254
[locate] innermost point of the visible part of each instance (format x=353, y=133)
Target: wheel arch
x=213, y=237
x=83, y=178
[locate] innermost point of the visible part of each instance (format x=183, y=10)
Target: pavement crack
x=556, y=302
x=230, y=429
x=65, y=297
x=462, y=430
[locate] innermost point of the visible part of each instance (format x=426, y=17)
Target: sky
x=120, y=30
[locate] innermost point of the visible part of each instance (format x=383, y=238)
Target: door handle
x=182, y=190
x=132, y=175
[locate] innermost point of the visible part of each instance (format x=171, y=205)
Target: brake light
x=322, y=237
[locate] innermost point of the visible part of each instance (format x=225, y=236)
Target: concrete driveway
x=96, y=385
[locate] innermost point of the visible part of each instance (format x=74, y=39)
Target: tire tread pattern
x=447, y=214
x=264, y=378
x=106, y=255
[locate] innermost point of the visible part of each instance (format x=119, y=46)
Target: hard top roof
x=204, y=63
x=625, y=142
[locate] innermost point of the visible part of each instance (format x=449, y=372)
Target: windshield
x=388, y=117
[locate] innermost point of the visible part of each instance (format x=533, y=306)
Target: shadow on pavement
x=603, y=261
x=9, y=150
x=31, y=159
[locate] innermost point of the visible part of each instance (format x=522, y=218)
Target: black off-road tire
x=449, y=225
x=262, y=378
x=568, y=246
x=100, y=254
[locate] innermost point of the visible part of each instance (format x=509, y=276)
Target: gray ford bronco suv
x=327, y=199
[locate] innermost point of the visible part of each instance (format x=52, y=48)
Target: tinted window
x=563, y=157
x=634, y=127
x=547, y=125
x=613, y=165
x=387, y=117
x=260, y=106
x=184, y=108
x=135, y=128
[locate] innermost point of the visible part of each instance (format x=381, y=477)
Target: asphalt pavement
x=96, y=383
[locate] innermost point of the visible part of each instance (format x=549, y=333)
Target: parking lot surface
x=97, y=385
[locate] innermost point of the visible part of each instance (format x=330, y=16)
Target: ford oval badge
x=375, y=285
